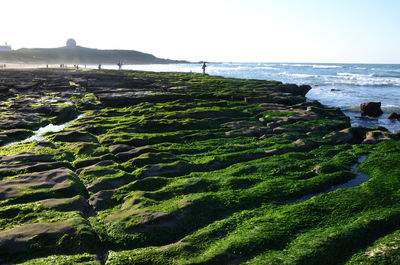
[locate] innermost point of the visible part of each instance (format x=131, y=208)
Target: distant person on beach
x=99, y=66
x=119, y=65
x=204, y=67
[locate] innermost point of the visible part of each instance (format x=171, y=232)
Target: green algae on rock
x=182, y=168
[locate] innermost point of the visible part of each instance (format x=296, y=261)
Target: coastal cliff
x=125, y=167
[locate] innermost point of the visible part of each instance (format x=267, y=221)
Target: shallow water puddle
x=37, y=135
x=359, y=179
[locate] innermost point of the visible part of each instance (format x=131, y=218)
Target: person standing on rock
x=119, y=65
x=204, y=67
x=99, y=66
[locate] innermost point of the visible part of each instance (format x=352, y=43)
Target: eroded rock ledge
x=175, y=168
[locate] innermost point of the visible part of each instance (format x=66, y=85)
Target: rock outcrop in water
x=174, y=168
x=394, y=116
x=372, y=109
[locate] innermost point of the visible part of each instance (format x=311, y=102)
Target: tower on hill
x=71, y=43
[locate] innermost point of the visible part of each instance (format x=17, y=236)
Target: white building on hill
x=5, y=48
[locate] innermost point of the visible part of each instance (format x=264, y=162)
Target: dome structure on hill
x=71, y=43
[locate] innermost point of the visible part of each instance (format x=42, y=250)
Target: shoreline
x=393, y=127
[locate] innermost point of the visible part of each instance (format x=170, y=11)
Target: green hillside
x=80, y=55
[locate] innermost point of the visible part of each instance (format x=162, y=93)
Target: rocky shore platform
x=125, y=167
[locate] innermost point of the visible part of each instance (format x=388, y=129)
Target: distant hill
x=80, y=55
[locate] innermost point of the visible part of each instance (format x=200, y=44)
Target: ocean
x=336, y=85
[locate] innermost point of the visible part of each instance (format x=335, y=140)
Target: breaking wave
x=326, y=66
x=366, y=79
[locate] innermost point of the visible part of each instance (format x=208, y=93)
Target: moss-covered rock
x=182, y=168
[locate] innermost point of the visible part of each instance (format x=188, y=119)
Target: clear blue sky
x=359, y=31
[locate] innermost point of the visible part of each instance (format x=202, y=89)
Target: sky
x=326, y=31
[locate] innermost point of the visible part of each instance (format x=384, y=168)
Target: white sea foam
x=302, y=75
x=390, y=108
x=300, y=65
x=354, y=75
x=266, y=68
x=38, y=134
x=365, y=80
x=325, y=66
x=387, y=75
x=354, y=108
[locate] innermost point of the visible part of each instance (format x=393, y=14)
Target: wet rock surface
x=173, y=168
x=394, y=116
x=372, y=109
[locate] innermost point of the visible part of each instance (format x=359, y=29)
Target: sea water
x=336, y=85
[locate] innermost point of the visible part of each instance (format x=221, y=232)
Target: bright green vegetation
x=202, y=174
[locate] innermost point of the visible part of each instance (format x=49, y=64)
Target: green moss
x=193, y=195
x=17, y=148
x=86, y=259
x=383, y=251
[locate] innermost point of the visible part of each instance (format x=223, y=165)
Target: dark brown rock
x=172, y=169
x=118, y=148
x=394, y=116
x=74, y=136
x=44, y=144
x=26, y=157
x=295, y=89
x=372, y=109
x=17, y=239
x=108, y=183
x=241, y=124
x=101, y=163
x=92, y=161
x=101, y=200
x=353, y=135
x=18, y=168
x=373, y=137
x=59, y=180
x=150, y=220
x=77, y=203
x=124, y=156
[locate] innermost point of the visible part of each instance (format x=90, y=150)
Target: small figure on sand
x=204, y=67
x=99, y=66
x=119, y=65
